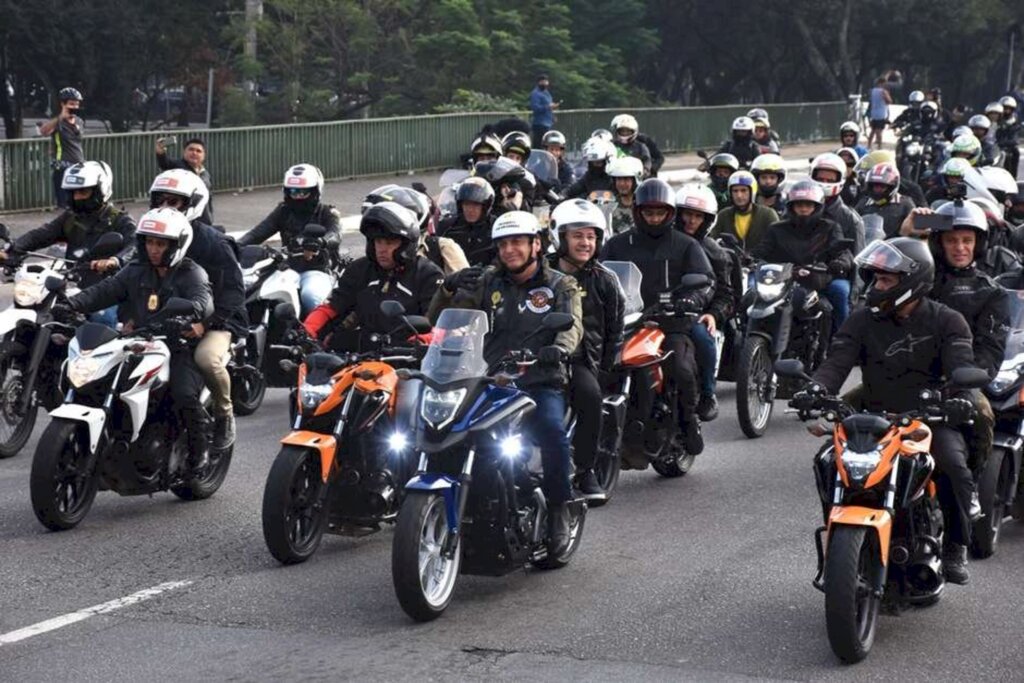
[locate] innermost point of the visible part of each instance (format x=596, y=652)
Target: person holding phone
x=542, y=110
x=193, y=158
x=66, y=132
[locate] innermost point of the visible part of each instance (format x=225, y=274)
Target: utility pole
x=253, y=13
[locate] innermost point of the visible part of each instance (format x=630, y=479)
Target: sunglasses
x=296, y=193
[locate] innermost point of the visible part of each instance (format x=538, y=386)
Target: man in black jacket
x=577, y=232
x=470, y=227
x=596, y=153
x=742, y=144
x=665, y=255
x=904, y=343
x=193, y=160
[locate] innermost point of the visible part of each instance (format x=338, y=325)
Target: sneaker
x=588, y=485
x=974, y=512
x=707, y=408
x=224, y=432
x=954, y=564
x=692, y=438
x=558, y=529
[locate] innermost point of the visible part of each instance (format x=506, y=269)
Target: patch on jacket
x=907, y=344
x=539, y=299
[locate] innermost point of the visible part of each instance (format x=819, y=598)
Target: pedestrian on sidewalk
x=879, y=112
x=542, y=109
x=66, y=131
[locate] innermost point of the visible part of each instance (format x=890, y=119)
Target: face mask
x=87, y=206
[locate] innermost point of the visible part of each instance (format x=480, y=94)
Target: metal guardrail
x=244, y=158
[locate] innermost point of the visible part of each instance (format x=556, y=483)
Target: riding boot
x=197, y=427
x=558, y=529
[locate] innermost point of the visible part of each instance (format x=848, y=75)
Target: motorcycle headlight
x=770, y=292
x=914, y=149
x=28, y=293
x=438, y=408
x=82, y=370
x=860, y=465
x=1004, y=380
x=312, y=395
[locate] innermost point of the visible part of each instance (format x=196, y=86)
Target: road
x=704, y=578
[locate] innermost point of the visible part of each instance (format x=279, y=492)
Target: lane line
x=83, y=614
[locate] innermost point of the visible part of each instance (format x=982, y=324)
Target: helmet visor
x=882, y=256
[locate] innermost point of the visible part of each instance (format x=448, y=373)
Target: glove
x=688, y=304
x=808, y=398
x=63, y=312
x=467, y=278
x=837, y=267
x=550, y=355
x=958, y=411
x=317, y=318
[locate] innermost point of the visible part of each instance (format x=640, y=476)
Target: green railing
x=242, y=158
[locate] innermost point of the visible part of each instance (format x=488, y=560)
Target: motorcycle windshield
x=1015, y=339
x=446, y=204
x=93, y=335
x=544, y=167
x=873, y=228
x=456, y=350
x=453, y=176
x=629, y=277
x=977, y=186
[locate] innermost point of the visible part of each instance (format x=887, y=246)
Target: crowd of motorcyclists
x=901, y=263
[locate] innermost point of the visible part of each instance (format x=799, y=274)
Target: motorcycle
x=651, y=435
x=883, y=533
x=116, y=429
x=29, y=359
x=730, y=334
x=999, y=482
x=342, y=467
x=475, y=504
x=916, y=154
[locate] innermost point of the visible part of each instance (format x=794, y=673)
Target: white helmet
x=998, y=181
x=962, y=130
x=90, y=174
x=966, y=215
x=513, y=224
x=698, y=198
x=626, y=167
x=576, y=214
x=304, y=177
x=628, y=122
x=849, y=127
x=994, y=108
x=831, y=162
x=187, y=184
x=167, y=224
x=743, y=123
x=979, y=121
x=916, y=98
x=596, y=149
x=1008, y=101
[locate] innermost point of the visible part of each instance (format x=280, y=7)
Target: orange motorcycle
x=343, y=467
x=883, y=533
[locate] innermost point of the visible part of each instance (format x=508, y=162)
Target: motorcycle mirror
x=419, y=323
x=314, y=230
x=969, y=378
x=694, y=281
x=5, y=233
x=392, y=308
x=177, y=306
x=107, y=245
x=557, y=321
x=702, y=154
x=790, y=367
x=285, y=312
x=54, y=283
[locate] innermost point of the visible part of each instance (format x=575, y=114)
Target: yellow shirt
x=742, y=223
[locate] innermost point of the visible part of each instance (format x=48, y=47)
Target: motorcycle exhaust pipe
x=900, y=554
x=926, y=576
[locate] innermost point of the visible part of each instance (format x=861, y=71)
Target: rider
x=695, y=216
x=906, y=343
x=742, y=144
x=486, y=147
x=746, y=221
x=981, y=126
x=720, y=168
x=828, y=170
x=763, y=137
x=627, y=173
x=912, y=114
x=849, y=136
x=577, y=232
x=625, y=129
x=514, y=186
x=665, y=255
x=303, y=187
x=554, y=142
x=215, y=253
x=516, y=293
x=391, y=270
x=966, y=146
x=850, y=188
x=1007, y=133
x=952, y=184
x=596, y=153
x=516, y=146
x=882, y=197
x=470, y=227
x=769, y=170
x=142, y=287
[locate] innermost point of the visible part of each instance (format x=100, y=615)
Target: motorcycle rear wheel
x=209, y=480
x=293, y=519
x=851, y=607
x=15, y=429
x=673, y=461
x=607, y=468
x=248, y=389
x=991, y=487
x=61, y=492
x=424, y=579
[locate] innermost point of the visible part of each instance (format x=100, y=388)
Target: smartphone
x=169, y=141
x=932, y=221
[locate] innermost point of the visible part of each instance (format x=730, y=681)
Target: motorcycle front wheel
x=61, y=488
x=991, y=489
x=15, y=425
x=851, y=606
x=293, y=518
x=423, y=577
x=754, y=378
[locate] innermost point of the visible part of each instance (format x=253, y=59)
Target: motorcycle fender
x=93, y=417
x=855, y=515
x=323, y=444
x=10, y=318
x=428, y=482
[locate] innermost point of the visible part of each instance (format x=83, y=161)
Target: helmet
x=477, y=190
x=698, y=198
x=908, y=257
x=968, y=146
x=1015, y=213
x=628, y=122
x=486, y=144
x=626, y=167
x=759, y=113
x=653, y=192
x=829, y=162
x=993, y=212
x=916, y=98
x=167, y=224
x=414, y=200
x=513, y=224
x=187, y=184
x=872, y=159
x=805, y=191
x=849, y=127
x=955, y=168
x=743, y=179
x=596, y=150
x=966, y=216
x=998, y=181
x=499, y=172
x=722, y=160
x=768, y=163
x=848, y=155
x=979, y=121
x=518, y=142
x=94, y=174
x=303, y=179
x=994, y=108
x=886, y=175
x=742, y=127
x=1008, y=102
x=69, y=93
x=761, y=123
x=602, y=134
x=929, y=110
x=390, y=219
x=962, y=130
x=576, y=214
x=553, y=137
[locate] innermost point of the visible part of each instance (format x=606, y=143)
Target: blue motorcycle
x=475, y=504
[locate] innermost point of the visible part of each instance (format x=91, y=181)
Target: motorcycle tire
x=206, y=484
x=673, y=461
x=753, y=378
x=851, y=611
x=991, y=487
x=61, y=495
x=422, y=527
x=11, y=390
x=575, y=536
x=607, y=468
x=293, y=517
x=247, y=392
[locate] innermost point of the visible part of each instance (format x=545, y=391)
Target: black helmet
x=722, y=160
x=499, y=172
x=390, y=219
x=518, y=142
x=908, y=257
x=806, y=191
x=66, y=94
x=475, y=190
x=415, y=201
x=654, y=192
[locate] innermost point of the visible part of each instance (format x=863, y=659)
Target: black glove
x=467, y=278
x=550, y=355
x=837, y=267
x=63, y=312
x=958, y=411
x=688, y=304
x=809, y=398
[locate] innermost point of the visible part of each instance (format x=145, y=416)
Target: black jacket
x=893, y=213
x=474, y=238
x=657, y=158
x=603, y=310
x=566, y=174
x=215, y=253
x=166, y=164
x=849, y=220
x=899, y=358
x=723, y=302
x=590, y=182
x=786, y=242
x=81, y=233
x=290, y=224
x=141, y=292
x=745, y=152
x=639, y=151
x=984, y=305
x=664, y=260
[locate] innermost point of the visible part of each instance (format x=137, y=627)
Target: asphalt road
x=704, y=578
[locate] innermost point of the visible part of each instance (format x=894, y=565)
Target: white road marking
x=83, y=614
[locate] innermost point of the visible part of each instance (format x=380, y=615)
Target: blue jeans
x=314, y=288
x=547, y=430
x=707, y=357
x=838, y=294
x=108, y=317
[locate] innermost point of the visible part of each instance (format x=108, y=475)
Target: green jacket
x=759, y=222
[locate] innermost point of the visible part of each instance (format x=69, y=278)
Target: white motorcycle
x=117, y=429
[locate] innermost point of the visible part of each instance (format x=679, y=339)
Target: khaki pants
x=211, y=357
